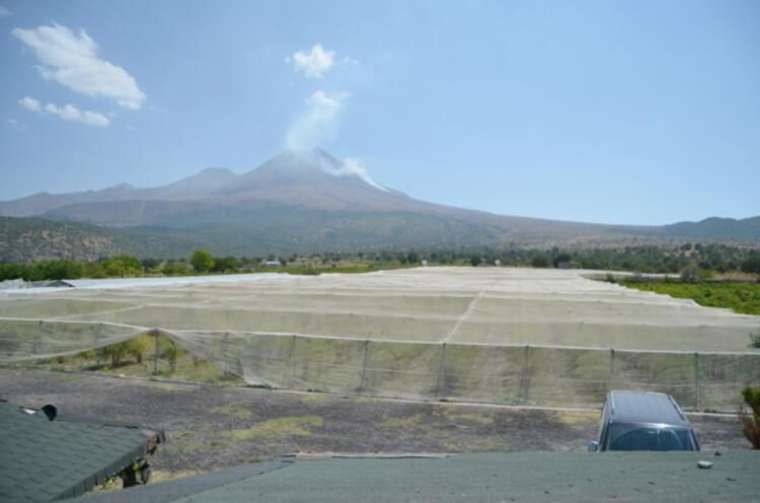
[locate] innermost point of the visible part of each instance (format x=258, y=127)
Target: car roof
x=645, y=407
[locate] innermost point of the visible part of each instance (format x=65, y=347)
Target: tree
x=751, y=419
x=752, y=264
x=692, y=274
x=539, y=261
x=475, y=260
x=225, y=264
x=202, y=261
x=123, y=265
x=561, y=258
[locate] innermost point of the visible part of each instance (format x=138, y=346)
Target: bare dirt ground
x=215, y=426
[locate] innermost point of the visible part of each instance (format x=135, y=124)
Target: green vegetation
x=694, y=262
x=751, y=419
x=136, y=357
x=741, y=297
x=293, y=426
x=134, y=348
x=202, y=261
x=239, y=411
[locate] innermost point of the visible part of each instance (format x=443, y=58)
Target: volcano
x=311, y=201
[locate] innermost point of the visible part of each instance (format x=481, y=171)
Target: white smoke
x=313, y=64
x=317, y=124
x=352, y=167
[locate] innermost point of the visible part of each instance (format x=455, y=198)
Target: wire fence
x=530, y=375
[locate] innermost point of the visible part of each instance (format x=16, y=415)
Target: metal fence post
x=611, y=377
x=225, y=344
x=287, y=367
x=156, y=351
x=292, y=362
x=525, y=376
x=439, y=382
x=36, y=345
x=697, y=397
x=96, y=349
x=363, y=381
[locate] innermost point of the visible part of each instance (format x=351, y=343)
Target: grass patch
x=293, y=426
x=237, y=410
x=166, y=475
x=469, y=418
x=578, y=418
x=741, y=297
x=403, y=422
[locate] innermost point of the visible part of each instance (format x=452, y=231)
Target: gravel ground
x=212, y=426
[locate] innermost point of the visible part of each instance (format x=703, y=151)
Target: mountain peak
x=303, y=163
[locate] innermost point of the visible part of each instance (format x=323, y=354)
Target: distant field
x=741, y=297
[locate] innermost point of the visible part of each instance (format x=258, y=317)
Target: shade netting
x=495, y=335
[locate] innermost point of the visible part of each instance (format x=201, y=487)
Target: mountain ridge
x=301, y=202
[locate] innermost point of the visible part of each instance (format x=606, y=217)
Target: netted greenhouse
x=497, y=335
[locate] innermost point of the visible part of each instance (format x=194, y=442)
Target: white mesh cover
x=487, y=334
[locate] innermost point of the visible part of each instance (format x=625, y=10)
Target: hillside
x=27, y=239
x=297, y=202
x=31, y=239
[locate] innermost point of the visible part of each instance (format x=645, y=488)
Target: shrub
x=138, y=346
x=539, y=261
x=115, y=352
x=692, y=274
x=90, y=354
x=751, y=420
x=172, y=352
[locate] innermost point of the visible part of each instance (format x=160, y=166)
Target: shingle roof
x=42, y=460
x=526, y=476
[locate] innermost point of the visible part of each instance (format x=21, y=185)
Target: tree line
x=645, y=259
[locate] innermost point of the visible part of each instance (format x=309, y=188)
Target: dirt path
x=211, y=426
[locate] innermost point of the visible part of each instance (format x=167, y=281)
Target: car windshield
x=625, y=437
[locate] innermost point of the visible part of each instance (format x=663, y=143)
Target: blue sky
x=641, y=112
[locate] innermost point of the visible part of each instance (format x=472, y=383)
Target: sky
x=635, y=112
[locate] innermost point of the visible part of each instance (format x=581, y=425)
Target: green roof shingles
x=43, y=460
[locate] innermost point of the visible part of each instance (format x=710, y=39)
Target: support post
x=363, y=382
x=37, y=346
x=440, y=380
x=525, y=376
x=611, y=377
x=156, y=351
x=697, y=397
x=225, y=345
x=97, y=351
x=293, y=362
x=288, y=365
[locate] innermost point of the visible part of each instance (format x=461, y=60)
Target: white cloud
x=317, y=123
x=66, y=112
x=313, y=64
x=18, y=126
x=4, y=12
x=30, y=104
x=71, y=60
x=72, y=113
